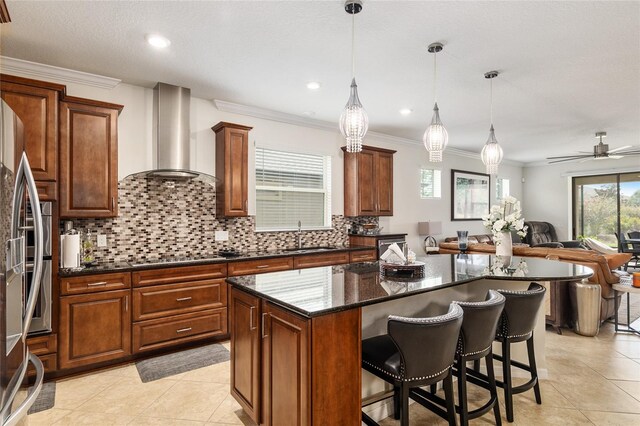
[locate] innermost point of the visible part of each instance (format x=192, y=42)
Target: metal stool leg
x=508, y=386
x=534, y=370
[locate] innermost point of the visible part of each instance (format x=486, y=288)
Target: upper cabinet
x=88, y=158
x=36, y=104
x=368, y=182
x=232, y=169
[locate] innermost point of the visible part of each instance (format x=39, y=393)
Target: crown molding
x=314, y=123
x=49, y=72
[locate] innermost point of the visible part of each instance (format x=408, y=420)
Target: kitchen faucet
x=299, y=234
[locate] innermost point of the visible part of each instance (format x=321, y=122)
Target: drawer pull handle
x=183, y=330
x=262, y=266
x=263, y=328
x=98, y=284
x=251, y=326
x=183, y=299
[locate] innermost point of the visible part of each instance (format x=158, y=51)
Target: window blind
x=430, y=183
x=292, y=187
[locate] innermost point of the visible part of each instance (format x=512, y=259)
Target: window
x=502, y=188
x=430, y=183
x=605, y=205
x=292, y=187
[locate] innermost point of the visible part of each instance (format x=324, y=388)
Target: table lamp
x=429, y=229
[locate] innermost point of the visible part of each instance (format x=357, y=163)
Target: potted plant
x=501, y=220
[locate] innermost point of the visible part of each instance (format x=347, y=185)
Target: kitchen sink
x=309, y=249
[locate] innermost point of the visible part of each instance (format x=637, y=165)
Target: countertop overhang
x=318, y=291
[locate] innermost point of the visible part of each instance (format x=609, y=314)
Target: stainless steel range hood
x=171, y=135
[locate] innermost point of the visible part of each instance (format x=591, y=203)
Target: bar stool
x=516, y=325
x=415, y=352
x=478, y=331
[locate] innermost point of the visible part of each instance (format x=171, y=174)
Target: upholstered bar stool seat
x=415, y=352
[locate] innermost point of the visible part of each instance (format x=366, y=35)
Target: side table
x=629, y=327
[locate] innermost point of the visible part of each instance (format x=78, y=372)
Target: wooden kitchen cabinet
x=232, y=169
x=286, y=369
x=368, y=182
x=94, y=328
x=36, y=104
x=260, y=266
x=246, y=355
x=321, y=259
x=88, y=158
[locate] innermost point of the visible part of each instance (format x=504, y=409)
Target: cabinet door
x=236, y=173
x=286, y=368
x=384, y=183
x=37, y=108
x=94, y=328
x=88, y=161
x=366, y=184
x=245, y=351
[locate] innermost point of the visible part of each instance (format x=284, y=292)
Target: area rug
x=46, y=399
x=181, y=362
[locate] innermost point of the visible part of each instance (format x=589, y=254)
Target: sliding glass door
x=606, y=204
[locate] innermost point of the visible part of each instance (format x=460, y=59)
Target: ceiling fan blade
x=619, y=149
x=565, y=160
x=570, y=156
x=628, y=152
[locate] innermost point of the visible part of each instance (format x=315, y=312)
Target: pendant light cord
x=353, y=42
x=435, y=77
x=491, y=99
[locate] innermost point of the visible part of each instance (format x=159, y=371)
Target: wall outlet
x=222, y=235
x=102, y=240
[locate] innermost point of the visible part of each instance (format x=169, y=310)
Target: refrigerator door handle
x=26, y=177
x=34, y=391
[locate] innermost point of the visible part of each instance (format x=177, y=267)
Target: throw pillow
x=599, y=247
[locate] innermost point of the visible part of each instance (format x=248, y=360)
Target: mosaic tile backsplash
x=177, y=219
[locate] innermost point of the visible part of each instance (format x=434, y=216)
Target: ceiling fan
x=601, y=151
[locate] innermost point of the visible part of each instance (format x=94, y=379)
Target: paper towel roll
x=70, y=251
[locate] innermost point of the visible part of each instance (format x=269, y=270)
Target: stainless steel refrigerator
x=19, y=213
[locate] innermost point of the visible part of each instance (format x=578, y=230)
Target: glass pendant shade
x=435, y=138
x=354, y=121
x=491, y=153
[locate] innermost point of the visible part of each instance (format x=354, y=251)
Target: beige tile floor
x=591, y=381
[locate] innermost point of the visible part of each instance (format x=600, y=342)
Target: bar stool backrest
x=479, y=323
x=427, y=346
x=518, y=318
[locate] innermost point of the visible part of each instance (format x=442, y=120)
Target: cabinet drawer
x=363, y=256
x=260, y=266
x=324, y=259
x=171, y=299
x=49, y=361
x=46, y=191
x=178, y=275
x=165, y=332
x=42, y=345
x=94, y=283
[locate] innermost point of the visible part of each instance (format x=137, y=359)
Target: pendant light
x=354, y=121
x=491, y=152
x=435, y=138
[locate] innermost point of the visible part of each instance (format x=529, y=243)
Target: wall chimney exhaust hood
x=171, y=136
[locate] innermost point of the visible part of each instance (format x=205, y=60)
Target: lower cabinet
x=94, y=328
x=276, y=355
x=285, y=366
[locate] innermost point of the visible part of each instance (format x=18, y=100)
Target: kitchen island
x=296, y=335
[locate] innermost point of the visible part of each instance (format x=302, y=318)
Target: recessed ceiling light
x=158, y=41
x=406, y=111
x=313, y=85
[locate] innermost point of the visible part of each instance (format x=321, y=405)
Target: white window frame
x=500, y=196
x=439, y=190
x=326, y=190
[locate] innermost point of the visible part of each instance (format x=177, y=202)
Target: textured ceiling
x=568, y=69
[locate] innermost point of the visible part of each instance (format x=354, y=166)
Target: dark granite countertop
x=317, y=291
x=102, y=268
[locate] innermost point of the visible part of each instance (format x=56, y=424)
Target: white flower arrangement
x=505, y=217
x=502, y=268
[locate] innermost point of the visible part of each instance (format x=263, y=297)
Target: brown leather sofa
x=602, y=273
